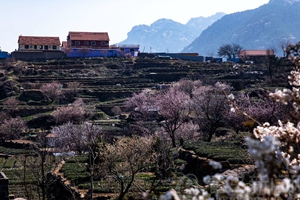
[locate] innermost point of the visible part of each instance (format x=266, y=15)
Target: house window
x=49, y=47
x=35, y=47
x=103, y=43
x=26, y=47
x=77, y=43
x=86, y=43
x=54, y=47
x=93, y=43
x=131, y=49
x=41, y=46
x=46, y=47
x=30, y=46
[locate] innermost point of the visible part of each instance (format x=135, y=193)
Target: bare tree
x=77, y=138
x=84, y=51
x=11, y=106
x=12, y=128
x=173, y=109
x=116, y=110
x=42, y=164
x=284, y=43
x=81, y=138
x=104, y=52
x=187, y=86
x=73, y=87
x=210, y=107
x=126, y=158
x=74, y=112
x=210, y=55
x=51, y=90
x=229, y=50
x=165, y=166
x=269, y=59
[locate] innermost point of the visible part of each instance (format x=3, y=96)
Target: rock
x=34, y=95
x=200, y=166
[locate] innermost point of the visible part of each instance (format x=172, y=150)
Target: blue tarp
x=86, y=53
x=237, y=60
x=4, y=54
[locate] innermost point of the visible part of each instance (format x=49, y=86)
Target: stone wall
x=37, y=55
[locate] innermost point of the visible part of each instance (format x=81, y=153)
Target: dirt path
x=82, y=192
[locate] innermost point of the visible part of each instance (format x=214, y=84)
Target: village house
x=133, y=49
x=95, y=44
x=37, y=48
x=90, y=40
x=256, y=56
x=38, y=43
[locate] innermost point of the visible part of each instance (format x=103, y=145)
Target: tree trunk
x=121, y=196
x=122, y=193
x=43, y=177
x=210, y=134
x=91, y=175
x=173, y=140
x=24, y=177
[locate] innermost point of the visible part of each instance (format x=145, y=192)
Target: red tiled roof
x=36, y=40
x=257, y=52
x=64, y=44
x=89, y=36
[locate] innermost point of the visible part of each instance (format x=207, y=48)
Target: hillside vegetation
x=48, y=94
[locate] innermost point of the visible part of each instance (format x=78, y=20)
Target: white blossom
x=230, y=96
x=215, y=165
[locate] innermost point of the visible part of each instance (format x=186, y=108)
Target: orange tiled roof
x=89, y=36
x=256, y=52
x=36, y=40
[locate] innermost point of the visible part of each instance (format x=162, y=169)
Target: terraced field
x=103, y=84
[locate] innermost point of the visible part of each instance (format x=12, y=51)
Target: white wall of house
x=38, y=47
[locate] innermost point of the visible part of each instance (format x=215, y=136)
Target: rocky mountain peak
x=261, y=28
x=167, y=35
x=283, y=1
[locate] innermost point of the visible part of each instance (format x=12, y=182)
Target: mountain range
x=261, y=28
x=166, y=35
x=268, y=26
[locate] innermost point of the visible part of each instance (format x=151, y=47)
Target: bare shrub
x=73, y=113
x=73, y=88
x=12, y=128
x=11, y=105
x=51, y=90
x=116, y=110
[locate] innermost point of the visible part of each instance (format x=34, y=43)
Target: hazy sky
x=117, y=17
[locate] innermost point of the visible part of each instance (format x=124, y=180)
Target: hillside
x=166, y=35
x=261, y=28
x=102, y=85
x=107, y=81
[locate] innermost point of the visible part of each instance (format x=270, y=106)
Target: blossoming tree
x=274, y=148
